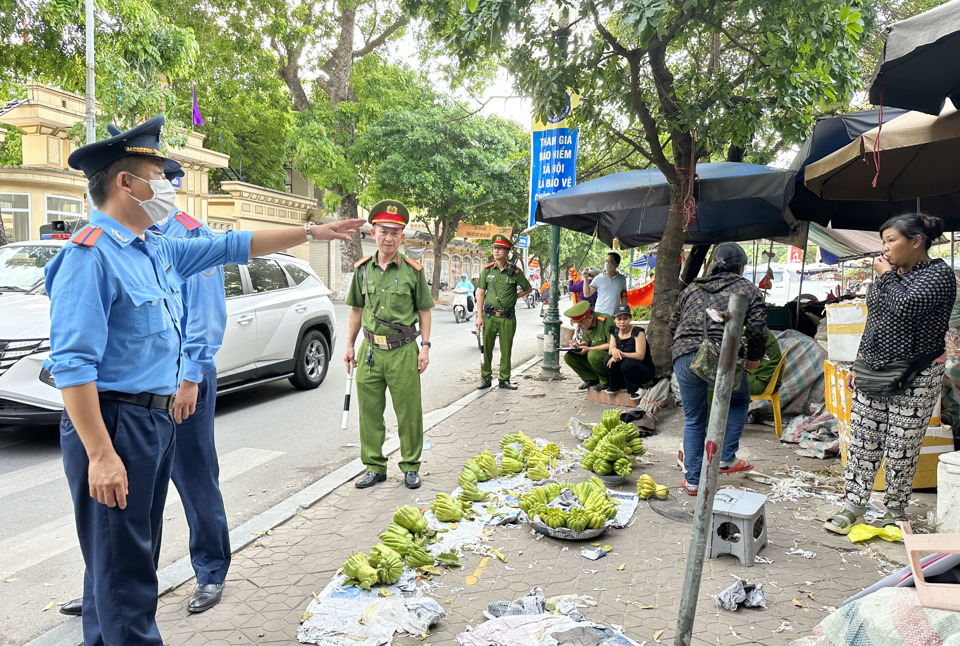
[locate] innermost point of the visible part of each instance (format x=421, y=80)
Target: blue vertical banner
x=553, y=156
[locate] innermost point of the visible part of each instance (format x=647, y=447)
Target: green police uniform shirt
x=503, y=284
x=397, y=294
x=599, y=332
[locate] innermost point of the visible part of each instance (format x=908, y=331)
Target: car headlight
x=47, y=377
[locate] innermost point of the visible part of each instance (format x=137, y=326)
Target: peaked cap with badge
x=500, y=240
x=389, y=212
x=578, y=311
x=143, y=140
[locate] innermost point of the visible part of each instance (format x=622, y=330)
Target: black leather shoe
x=368, y=480
x=588, y=384
x=74, y=608
x=507, y=385
x=205, y=597
x=411, y=480
x=484, y=384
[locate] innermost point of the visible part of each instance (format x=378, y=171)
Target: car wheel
x=312, y=361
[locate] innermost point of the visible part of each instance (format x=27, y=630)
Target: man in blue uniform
x=116, y=343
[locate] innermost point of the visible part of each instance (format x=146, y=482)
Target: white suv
x=280, y=325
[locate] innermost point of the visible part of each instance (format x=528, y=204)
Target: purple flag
x=197, y=117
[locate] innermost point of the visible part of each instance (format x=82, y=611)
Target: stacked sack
x=611, y=445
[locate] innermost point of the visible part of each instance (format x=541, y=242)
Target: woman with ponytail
x=897, y=377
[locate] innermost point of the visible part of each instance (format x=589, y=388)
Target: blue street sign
x=176, y=182
x=523, y=242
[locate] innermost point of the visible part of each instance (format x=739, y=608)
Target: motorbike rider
x=466, y=284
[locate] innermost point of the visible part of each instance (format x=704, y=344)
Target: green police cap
x=500, y=240
x=389, y=212
x=578, y=311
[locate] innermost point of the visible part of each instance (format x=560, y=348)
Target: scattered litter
x=460, y=589
x=47, y=607
x=817, y=435
x=742, y=592
x=807, y=554
x=763, y=559
x=593, y=555
x=784, y=625
x=860, y=533
x=797, y=603
x=542, y=630
x=656, y=635
x=532, y=603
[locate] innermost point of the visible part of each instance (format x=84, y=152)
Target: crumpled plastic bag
x=749, y=594
x=860, y=533
x=532, y=603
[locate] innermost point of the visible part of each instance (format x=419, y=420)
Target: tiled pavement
x=272, y=580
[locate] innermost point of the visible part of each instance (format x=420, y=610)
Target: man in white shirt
x=611, y=286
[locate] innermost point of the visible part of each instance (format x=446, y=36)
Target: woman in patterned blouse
x=908, y=315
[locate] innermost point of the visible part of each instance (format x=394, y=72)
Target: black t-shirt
x=630, y=344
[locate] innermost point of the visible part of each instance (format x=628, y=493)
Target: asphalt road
x=272, y=441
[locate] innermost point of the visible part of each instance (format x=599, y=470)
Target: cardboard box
x=845, y=324
x=937, y=441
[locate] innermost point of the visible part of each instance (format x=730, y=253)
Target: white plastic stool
x=738, y=525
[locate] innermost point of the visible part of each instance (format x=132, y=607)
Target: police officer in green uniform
x=389, y=295
x=587, y=360
x=496, y=310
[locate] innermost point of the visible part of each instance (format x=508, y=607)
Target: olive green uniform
x=396, y=295
x=590, y=367
x=500, y=289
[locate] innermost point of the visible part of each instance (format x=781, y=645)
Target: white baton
x=346, y=399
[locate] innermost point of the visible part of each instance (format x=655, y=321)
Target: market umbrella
x=827, y=136
x=735, y=201
x=919, y=68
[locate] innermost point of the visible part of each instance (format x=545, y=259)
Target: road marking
x=475, y=577
x=29, y=548
x=28, y=477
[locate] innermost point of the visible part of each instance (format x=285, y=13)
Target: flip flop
x=741, y=465
x=842, y=522
x=892, y=517
x=690, y=490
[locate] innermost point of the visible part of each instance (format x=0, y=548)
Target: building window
x=15, y=210
x=63, y=208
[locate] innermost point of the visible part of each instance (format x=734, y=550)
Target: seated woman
x=759, y=379
x=629, y=364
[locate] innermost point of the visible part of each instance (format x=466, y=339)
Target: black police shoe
x=205, y=597
x=588, y=384
x=74, y=607
x=484, y=384
x=411, y=480
x=368, y=480
x=507, y=385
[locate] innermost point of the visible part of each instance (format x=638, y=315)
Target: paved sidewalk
x=272, y=580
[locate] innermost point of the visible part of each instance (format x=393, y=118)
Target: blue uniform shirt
x=205, y=308
x=114, y=311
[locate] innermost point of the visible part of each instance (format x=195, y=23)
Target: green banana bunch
x=539, y=509
x=470, y=493
x=622, y=467
x=617, y=438
x=661, y=492
x=637, y=446
x=418, y=557
x=527, y=501
x=446, y=509
x=388, y=564
x=512, y=452
x=477, y=470
x=598, y=484
x=588, y=459
x=646, y=487
x=358, y=568
x=602, y=467
x=551, y=490
x=555, y=518
x=538, y=472
x=467, y=477
x=509, y=439
x=489, y=464
x=540, y=494
x=582, y=491
x=510, y=465
x=552, y=449
x=529, y=446
x=595, y=520
x=599, y=430
x=611, y=452
x=577, y=519
x=591, y=442
x=410, y=517
x=630, y=431
x=599, y=502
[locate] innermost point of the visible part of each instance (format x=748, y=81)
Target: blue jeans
x=693, y=392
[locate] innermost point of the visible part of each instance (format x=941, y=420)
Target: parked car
x=280, y=325
x=785, y=285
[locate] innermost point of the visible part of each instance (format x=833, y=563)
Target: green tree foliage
x=451, y=166
x=676, y=80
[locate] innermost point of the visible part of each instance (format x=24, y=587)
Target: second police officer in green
x=389, y=295
x=497, y=294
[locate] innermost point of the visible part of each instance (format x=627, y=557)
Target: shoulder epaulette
x=601, y=318
x=88, y=236
x=357, y=264
x=516, y=270
x=189, y=222
x=489, y=266
x=413, y=263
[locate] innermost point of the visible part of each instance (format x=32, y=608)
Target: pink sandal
x=690, y=490
x=741, y=465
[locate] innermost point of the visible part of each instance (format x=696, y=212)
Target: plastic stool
x=738, y=525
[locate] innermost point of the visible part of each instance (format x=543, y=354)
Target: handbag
x=891, y=378
x=706, y=362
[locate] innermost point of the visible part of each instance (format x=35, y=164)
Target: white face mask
x=164, y=200
x=610, y=266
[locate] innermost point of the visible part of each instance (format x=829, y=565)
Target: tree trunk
x=691, y=268
x=441, y=237
x=350, y=251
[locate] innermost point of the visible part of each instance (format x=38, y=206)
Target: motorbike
x=460, y=310
x=532, y=299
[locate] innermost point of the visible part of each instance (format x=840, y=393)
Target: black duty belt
x=149, y=400
x=500, y=314
x=388, y=341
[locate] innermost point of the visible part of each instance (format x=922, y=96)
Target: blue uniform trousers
x=196, y=475
x=121, y=547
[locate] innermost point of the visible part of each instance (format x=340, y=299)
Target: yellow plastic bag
x=860, y=533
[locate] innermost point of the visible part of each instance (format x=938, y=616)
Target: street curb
x=70, y=632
